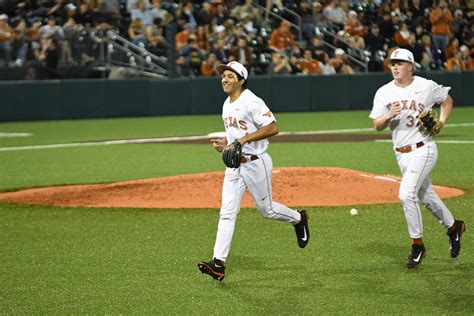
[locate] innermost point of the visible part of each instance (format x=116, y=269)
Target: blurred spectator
x=441, y=18
x=335, y=14
x=49, y=56
x=467, y=57
x=220, y=51
x=135, y=32
x=19, y=41
x=311, y=17
x=308, y=64
x=458, y=23
x=373, y=41
x=316, y=45
x=416, y=11
x=155, y=40
x=158, y=12
x=247, y=10
x=402, y=35
x=71, y=30
x=242, y=53
x=51, y=30
x=7, y=36
x=183, y=68
x=452, y=48
x=455, y=62
x=186, y=12
x=353, y=26
x=133, y=4
x=341, y=62
x=193, y=54
x=84, y=15
x=387, y=27
x=221, y=14
x=202, y=38
x=143, y=12
x=209, y=66
x=430, y=58
x=281, y=39
x=103, y=19
x=325, y=65
x=181, y=38
x=204, y=16
x=279, y=65
x=48, y=8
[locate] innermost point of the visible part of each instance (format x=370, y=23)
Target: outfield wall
x=100, y=98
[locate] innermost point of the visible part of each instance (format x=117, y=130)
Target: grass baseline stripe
x=184, y=138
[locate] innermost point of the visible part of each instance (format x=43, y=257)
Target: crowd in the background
x=336, y=36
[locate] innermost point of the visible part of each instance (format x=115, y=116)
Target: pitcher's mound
x=291, y=186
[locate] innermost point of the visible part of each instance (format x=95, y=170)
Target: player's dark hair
x=239, y=77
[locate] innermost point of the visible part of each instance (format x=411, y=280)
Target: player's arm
x=446, y=108
x=383, y=121
x=264, y=132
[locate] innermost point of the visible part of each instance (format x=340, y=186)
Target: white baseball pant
x=256, y=176
x=416, y=186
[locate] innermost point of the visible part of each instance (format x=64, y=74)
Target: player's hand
x=219, y=143
x=394, y=111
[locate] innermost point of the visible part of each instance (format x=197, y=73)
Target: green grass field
x=57, y=260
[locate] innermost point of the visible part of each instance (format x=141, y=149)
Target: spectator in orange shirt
x=282, y=39
x=440, y=19
x=182, y=37
x=353, y=26
x=456, y=62
x=452, y=48
x=308, y=64
x=209, y=66
x=402, y=36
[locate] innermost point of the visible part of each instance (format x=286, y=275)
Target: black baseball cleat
x=416, y=257
x=215, y=268
x=302, y=230
x=455, y=238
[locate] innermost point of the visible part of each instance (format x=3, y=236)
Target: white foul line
x=186, y=138
x=15, y=134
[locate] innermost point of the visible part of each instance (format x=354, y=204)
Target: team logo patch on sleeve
x=269, y=114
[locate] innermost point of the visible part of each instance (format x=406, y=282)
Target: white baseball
x=354, y=212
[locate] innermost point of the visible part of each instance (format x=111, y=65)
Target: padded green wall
x=99, y=98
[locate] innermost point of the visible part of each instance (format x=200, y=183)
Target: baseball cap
x=402, y=54
x=236, y=67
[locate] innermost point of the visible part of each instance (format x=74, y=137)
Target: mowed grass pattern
x=144, y=261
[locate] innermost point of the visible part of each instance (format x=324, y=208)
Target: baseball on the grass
x=354, y=212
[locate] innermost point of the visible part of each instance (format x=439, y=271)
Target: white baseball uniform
x=416, y=164
x=245, y=115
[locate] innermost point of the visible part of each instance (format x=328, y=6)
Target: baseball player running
x=248, y=120
x=397, y=105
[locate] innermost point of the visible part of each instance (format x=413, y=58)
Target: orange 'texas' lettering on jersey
x=233, y=122
x=413, y=106
x=243, y=125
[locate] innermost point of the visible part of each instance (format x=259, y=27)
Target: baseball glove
x=429, y=123
x=231, y=154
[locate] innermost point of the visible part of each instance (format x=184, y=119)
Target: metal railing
x=123, y=53
x=298, y=26
x=362, y=61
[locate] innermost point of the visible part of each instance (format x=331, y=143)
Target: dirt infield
x=291, y=186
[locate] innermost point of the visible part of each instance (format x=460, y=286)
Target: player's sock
x=417, y=241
